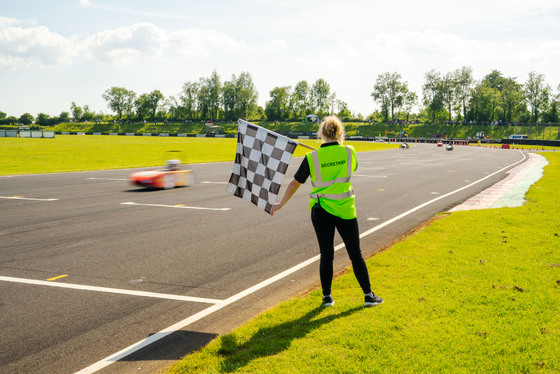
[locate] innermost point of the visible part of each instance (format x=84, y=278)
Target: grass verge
x=67, y=153
x=475, y=291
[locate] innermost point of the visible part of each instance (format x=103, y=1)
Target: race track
x=91, y=266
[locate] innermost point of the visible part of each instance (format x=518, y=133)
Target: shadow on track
x=269, y=341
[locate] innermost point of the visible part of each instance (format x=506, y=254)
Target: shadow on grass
x=269, y=341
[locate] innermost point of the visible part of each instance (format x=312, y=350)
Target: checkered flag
x=261, y=162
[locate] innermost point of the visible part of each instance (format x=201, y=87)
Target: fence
x=27, y=134
x=8, y=133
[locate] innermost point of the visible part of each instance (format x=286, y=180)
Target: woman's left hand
x=274, y=208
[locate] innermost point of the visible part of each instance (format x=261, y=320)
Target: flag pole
x=299, y=143
x=306, y=146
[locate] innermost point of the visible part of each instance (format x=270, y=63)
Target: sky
x=55, y=52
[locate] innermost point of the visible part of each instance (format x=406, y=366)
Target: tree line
x=457, y=97
x=452, y=97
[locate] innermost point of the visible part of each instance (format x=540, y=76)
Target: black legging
x=324, y=224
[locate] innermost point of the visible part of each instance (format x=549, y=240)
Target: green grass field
x=67, y=153
x=472, y=292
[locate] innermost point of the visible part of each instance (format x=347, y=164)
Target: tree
x=247, y=95
x=536, y=94
x=189, y=99
x=320, y=92
x=209, y=96
x=26, y=119
x=332, y=102
x=120, y=100
x=203, y=98
x=147, y=104
x=43, y=119
x=278, y=106
x=155, y=99
x=490, y=101
x=229, y=99
x=142, y=107
x=173, y=108
x=552, y=114
x=239, y=97
x=64, y=117
x=463, y=86
x=495, y=80
x=448, y=88
x=432, y=94
x=410, y=100
x=511, y=98
x=76, y=112
x=259, y=112
x=343, y=110
x=11, y=120
x=214, y=85
x=165, y=107
x=475, y=100
x=300, y=100
x=87, y=114
x=389, y=91
x=46, y=120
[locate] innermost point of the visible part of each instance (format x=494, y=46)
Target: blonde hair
x=331, y=128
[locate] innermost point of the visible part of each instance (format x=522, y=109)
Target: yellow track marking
x=55, y=278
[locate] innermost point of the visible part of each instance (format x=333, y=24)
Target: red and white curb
x=491, y=196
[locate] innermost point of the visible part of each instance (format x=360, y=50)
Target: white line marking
x=175, y=206
x=25, y=198
x=111, y=290
x=195, y=317
x=206, y=312
x=108, y=179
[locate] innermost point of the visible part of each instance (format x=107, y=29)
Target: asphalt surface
x=199, y=243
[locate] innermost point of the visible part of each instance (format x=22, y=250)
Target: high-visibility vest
x=331, y=168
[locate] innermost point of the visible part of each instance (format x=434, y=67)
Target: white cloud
x=125, y=45
x=203, y=43
x=21, y=47
x=274, y=46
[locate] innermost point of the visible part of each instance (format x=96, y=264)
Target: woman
x=332, y=205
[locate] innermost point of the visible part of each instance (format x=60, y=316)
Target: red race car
x=170, y=177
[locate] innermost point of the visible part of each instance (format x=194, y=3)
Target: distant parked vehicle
x=518, y=137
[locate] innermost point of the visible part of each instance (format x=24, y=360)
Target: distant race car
x=440, y=144
x=169, y=177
